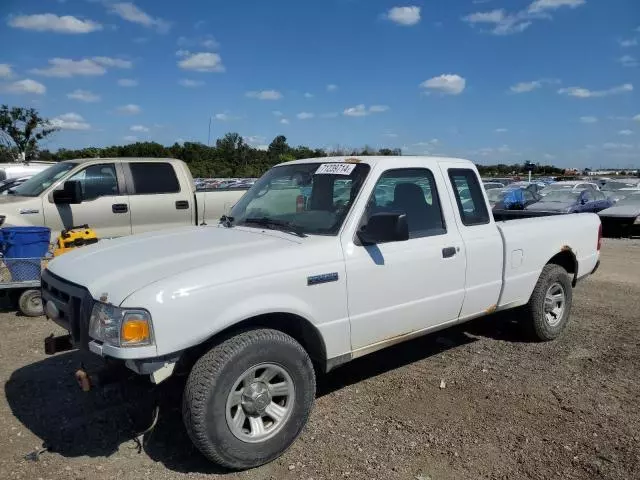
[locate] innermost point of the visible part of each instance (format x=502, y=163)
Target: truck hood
x=119, y=267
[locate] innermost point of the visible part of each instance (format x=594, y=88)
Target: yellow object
x=135, y=331
x=74, y=237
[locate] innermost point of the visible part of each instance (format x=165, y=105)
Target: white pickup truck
x=322, y=261
x=115, y=196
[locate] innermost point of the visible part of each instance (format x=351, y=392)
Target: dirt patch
x=509, y=409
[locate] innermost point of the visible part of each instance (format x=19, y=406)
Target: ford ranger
x=321, y=262
x=115, y=196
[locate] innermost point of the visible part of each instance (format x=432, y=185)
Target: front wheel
x=248, y=398
x=549, y=307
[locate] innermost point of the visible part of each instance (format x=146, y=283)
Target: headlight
x=120, y=327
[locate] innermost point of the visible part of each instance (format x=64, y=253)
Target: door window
x=588, y=196
x=528, y=196
x=154, y=178
x=411, y=191
x=97, y=181
x=469, y=197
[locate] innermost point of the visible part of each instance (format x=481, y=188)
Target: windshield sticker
x=335, y=169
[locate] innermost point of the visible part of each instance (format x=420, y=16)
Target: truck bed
x=529, y=243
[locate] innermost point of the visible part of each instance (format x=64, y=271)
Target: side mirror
x=71, y=193
x=384, y=227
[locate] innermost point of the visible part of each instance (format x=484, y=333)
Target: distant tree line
x=21, y=129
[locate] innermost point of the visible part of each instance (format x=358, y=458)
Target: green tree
x=23, y=128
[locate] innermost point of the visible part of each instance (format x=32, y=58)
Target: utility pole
x=209, y=136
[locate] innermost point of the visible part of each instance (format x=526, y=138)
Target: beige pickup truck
x=115, y=196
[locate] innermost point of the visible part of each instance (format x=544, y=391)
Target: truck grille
x=73, y=304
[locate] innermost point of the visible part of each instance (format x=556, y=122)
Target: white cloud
x=129, y=12
x=632, y=42
x=332, y=87
x=504, y=23
x=580, y=92
x=127, y=82
x=129, y=109
x=5, y=70
x=305, y=115
x=65, y=67
x=277, y=113
x=25, y=86
x=406, y=16
x=625, y=132
x=48, y=22
x=205, y=41
x=448, y=84
x=390, y=135
x=628, y=61
x=264, y=95
x=617, y=146
x=113, y=62
x=539, y=6
x=501, y=130
x=523, y=87
x=84, y=96
x=588, y=119
x=284, y=121
x=361, y=110
x=202, y=62
x=139, y=128
x=494, y=16
x=182, y=53
x=308, y=95
x=69, y=121
x=130, y=138
x=637, y=118
x=223, y=117
x=185, y=82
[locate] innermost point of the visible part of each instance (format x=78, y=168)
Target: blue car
x=511, y=198
x=572, y=201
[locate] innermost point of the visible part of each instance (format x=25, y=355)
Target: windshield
x=43, y=180
x=561, y=196
x=313, y=198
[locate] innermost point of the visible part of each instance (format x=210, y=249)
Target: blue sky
x=554, y=81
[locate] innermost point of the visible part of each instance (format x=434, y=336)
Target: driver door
x=104, y=207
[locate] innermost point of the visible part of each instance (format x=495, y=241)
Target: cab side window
x=98, y=181
x=469, y=197
x=411, y=191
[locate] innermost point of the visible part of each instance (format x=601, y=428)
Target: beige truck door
x=104, y=207
x=158, y=200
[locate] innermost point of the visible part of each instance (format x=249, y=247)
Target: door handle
x=448, y=252
x=182, y=205
x=119, y=208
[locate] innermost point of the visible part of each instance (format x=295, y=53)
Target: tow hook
x=105, y=376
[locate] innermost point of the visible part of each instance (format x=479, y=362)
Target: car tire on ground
x=549, y=307
x=30, y=303
x=248, y=398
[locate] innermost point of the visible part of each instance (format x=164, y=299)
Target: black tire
x=210, y=382
x=30, y=303
x=539, y=326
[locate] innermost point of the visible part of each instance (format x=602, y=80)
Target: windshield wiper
x=274, y=224
x=227, y=221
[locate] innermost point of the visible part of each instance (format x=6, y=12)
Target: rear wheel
x=30, y=303
x=248, y=398
x=549, y=307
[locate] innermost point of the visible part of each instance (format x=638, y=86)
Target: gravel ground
x=568, y=409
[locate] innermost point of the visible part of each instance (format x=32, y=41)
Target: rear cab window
x=469, y=197
x=154, y=178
